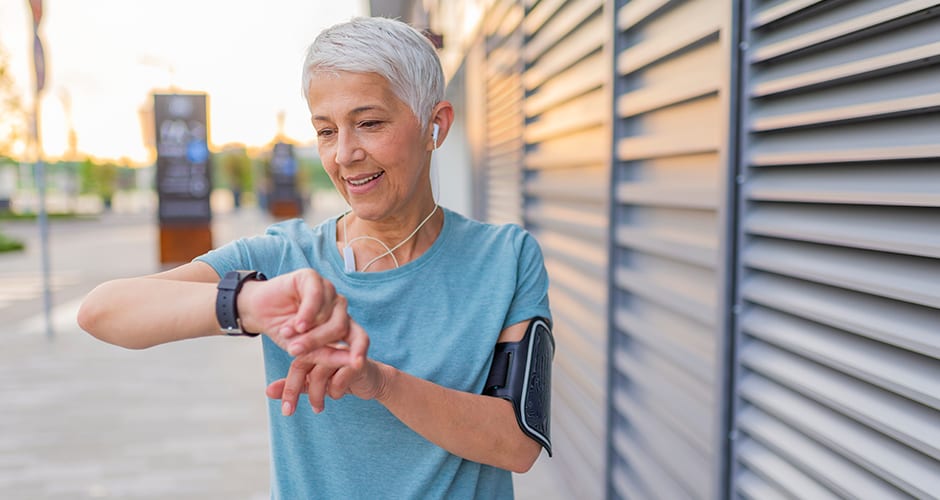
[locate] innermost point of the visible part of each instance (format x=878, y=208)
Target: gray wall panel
x=667, y=180
x=838, y=353
x=566, y=173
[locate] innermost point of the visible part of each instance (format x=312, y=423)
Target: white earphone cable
x=388, y=251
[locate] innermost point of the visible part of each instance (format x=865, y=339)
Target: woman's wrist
x=388, y=375
x=243, y=306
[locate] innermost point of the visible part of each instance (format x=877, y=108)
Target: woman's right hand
x=301, y=312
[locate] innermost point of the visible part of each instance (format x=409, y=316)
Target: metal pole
x=40, y=175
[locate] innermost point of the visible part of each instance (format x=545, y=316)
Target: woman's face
x=371, y=144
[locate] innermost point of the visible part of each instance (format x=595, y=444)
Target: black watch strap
x=226, y=303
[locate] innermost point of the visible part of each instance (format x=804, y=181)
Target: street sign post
x=39, y=65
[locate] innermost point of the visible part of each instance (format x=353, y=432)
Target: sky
x=105, y=57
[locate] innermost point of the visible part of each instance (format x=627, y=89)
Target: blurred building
x=739, y=207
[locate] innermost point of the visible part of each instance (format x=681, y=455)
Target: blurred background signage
x=183, y=183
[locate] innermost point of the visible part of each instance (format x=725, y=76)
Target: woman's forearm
x=142, y=312
x=475, y=427
x=146, y=311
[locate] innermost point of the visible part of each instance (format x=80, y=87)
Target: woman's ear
x=442, y=118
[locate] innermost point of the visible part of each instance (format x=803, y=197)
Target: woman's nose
x=348, y=149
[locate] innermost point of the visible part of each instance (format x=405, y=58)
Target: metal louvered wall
x=504, y=118
x=667, y=273
x=839, y=331
x=565, y=187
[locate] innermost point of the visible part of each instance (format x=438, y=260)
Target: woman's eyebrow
x=355, y=111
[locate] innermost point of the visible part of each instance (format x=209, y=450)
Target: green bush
x=8, y=244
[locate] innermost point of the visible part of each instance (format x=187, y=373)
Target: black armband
x=522, y=374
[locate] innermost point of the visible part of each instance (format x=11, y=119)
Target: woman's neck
x=379, y=246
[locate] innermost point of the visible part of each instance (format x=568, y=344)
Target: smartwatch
x=226, y=301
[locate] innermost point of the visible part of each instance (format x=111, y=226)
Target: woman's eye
x=324, y=132
x=370, y=124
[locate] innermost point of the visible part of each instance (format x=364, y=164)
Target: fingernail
x=285, y=409
x=294, y=349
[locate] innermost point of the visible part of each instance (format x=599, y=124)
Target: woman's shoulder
x=479, y=233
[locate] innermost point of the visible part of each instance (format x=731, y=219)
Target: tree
x=13, y=117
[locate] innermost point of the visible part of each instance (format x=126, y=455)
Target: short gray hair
x=388, y=47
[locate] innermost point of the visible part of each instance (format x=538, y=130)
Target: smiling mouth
x=364, y=180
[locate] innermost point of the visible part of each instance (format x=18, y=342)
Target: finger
x=339, y=382
x=275, y=389
x=358, y=342
x=294, y=384
x=311, y=290
x=317, y=380
x=335, y=329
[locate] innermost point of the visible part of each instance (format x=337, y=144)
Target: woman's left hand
x=323, y=372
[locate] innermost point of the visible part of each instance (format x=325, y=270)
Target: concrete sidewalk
x=83, y=419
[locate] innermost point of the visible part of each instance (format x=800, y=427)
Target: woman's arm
x=300, y=311
x=145, y=311
x=472, y=426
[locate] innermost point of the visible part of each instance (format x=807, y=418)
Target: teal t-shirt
x=437, y=318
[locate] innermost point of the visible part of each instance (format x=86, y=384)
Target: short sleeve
x=531, y=296
x=258, y=253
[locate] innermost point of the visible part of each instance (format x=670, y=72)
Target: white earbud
x=437, y=129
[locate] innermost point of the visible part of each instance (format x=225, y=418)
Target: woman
x=393, y=309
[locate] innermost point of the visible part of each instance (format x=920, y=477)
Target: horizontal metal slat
x=835, y=472
x=893, y=462
x=680, y=462
x=579, y=186
x=575, y=223
x=579, y=193
x=625, y=483
x=684, y=343
x=669, y=293
x=749, y=485
x=858, y=313
x=848, y=114
x=582, y=463
x=865, y=68
x=911, y=279
x=582, y=149
x=654, y=396
x=886, y=184
x=782, y=10
x=629, y=444
x=910, y=231
x=899, y=418
x=584, y=256
x=879, y=18
x=561, y=25
x=586, y=75
x=495, y=14
x=585, y=112
x=783, y=475
x=678, y=245
x=512, y=19
x=901, y=372
x=661, y=145
x=540, y=14
x=693, y=196
x=646, y=99
x=854, y=155
x=639, y=11
x=663, y=379
x=568, y=383
x=589, y=38
x=690, y=24
x=582, y=294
